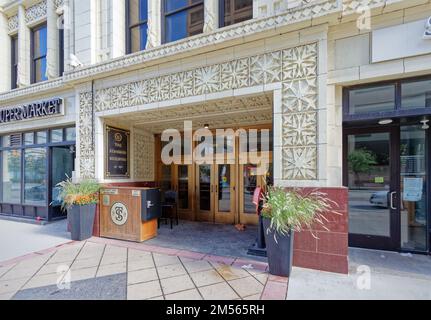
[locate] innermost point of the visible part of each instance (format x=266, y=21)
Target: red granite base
x=321, y=249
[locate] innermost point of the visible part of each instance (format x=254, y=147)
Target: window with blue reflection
x=138, y=25
x=39, y=49
x=183, y=18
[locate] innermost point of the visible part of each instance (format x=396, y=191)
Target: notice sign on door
x=413, y=189
x=117, y=153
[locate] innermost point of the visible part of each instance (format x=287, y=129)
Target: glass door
x=184, y=187
x=204, y=192
x=62, y=166
x=414, y=192
x=225, y=193
x=370, y=173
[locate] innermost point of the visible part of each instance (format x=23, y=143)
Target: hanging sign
x=117, y=153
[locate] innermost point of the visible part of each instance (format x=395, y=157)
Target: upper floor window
x=38, y=50
x=137, y=22
x=183, y=18
x=14, y=60
x=234, y=11
x=61, y=48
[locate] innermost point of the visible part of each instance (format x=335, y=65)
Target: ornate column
x=5, y=54
x=52, y=55
x=23, y=49
x=154, y=37
x=211, y=15
x=118, y=28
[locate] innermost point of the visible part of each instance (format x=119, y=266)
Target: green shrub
x=83, y=193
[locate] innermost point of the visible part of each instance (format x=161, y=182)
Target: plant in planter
x=80, y=200
x=284, y=213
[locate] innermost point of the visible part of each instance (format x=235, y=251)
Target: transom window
x=137, y=21
x=388, y=99
x=182, y=18
x=235, y=11
x=39, y=49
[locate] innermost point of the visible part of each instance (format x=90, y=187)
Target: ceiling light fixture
x=425, y=124
x=385, y=121
x=206, y=126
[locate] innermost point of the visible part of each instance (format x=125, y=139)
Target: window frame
x=397, y=112
x=47, y=145
x=129, y=27
x=222, y=10
x=14, y=61
x=32, y=57
x=165, y=15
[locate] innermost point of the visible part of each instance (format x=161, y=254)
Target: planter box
x=280, y=253
x=81, y=220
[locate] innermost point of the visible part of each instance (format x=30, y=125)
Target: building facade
x=343, y=88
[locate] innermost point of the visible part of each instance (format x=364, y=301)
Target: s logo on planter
x=119, y=214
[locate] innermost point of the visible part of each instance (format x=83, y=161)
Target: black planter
x=280, y=253
x=81, y=220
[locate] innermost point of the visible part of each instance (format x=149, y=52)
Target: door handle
x=391, y=198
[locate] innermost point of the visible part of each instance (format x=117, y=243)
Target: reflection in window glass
x=39, y=43
x=188, y=21
x=416, y=95
x=138, y=18
x=12, y=176
x=371, y=100
x=56, y=135
x=6, y=141
x=35, y=184
x=236, y=11
x=29, y=138
x=41, y=137
x=70, y=134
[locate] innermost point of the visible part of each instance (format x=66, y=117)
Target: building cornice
x=319, y=11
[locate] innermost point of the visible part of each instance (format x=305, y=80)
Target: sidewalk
x=111, y=269
x=19, y=238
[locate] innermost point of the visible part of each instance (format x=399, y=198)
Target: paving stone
x=157, y=298
x=7, y=286
x=192, y=294
x=111, y=269
x=104, y=288
x=230, y=273
x=85, y=263
x=207, y=277
x=171, y=270
x=20, y=272
x=43, y=280
x=141, y=276
x=139, y=264
x=262, y=278
x=83, y=274
x=5, y=269
x=219, y=291
x=246, y=286
x=196, y=266
x=107, y=260
x=137, y=255
x=143, y=291
x=7, y=296
x=253, y=297
x=176, y=284
x=53, y=268
x=165, y=260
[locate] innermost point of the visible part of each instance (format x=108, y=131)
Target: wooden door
x=183, y=185
x=224, y=195
x=205, y=192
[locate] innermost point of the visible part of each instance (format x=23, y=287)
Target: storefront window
x=56, y=135
x=29, y=138
x=416, y=95
x=41, y=137
x=70, y=134
x=6, y=141
x=372, y=100
x=12, y=176
x=35, y=183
